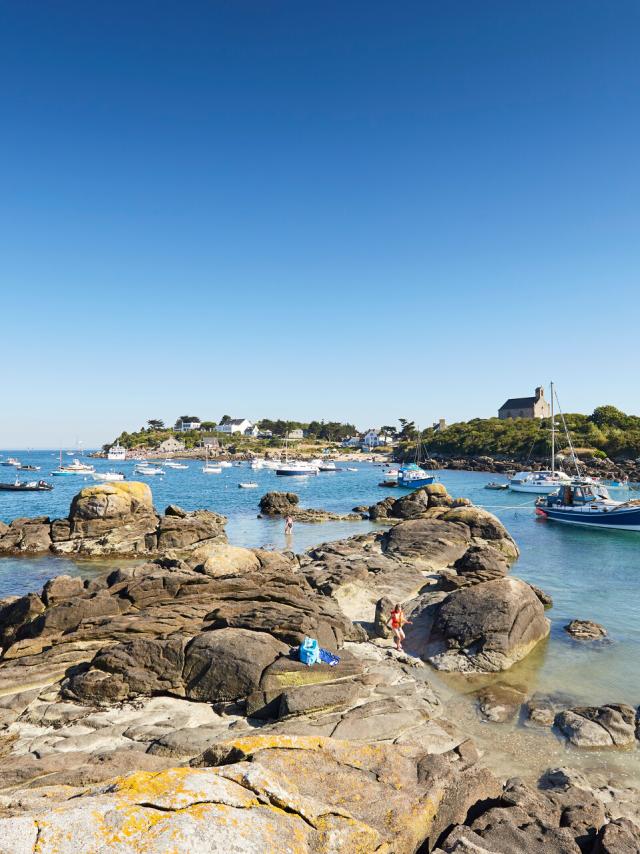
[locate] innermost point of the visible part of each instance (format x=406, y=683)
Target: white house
x=296, y=434
x=185, y=426
x=171, y=445
x=373, y=439
x=236, y=425
x=253, y=431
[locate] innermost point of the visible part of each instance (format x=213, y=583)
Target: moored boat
x=248, y=485
x=291, y=468
x=117, y=452
x=414, y=476
x=538, y=482
x=108, y=476
x=31, y=486
x=589, y=504
x=496, y=485
x=11, y=461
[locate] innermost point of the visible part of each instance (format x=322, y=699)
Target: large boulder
x=26, y=535
x=430, y=544
x=279, y=503
x=613, y=725
x=486, y=627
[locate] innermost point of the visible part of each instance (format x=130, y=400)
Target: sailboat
x=412, y=475
x=548, y=480
x=291, y=468
x=210, y=468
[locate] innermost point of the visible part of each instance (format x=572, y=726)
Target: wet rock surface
x=585, y=630
x=288, y=504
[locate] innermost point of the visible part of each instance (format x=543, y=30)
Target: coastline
x=423, y=558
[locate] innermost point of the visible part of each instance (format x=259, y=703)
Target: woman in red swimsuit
x=397, y=620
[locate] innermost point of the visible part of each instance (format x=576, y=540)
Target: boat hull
x=535, y=488
x=415, y=483
x=296, y=472
x=613, y=520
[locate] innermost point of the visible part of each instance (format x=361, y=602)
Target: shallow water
x=590, y=574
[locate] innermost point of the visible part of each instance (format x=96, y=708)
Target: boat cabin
x=578, y=494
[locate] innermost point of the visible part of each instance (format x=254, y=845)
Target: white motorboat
x=296, y=467
x=272, y=464
x=248, y=485
x=12, y=461
x=351, y=468
x=257, y=464
x=169, y=464
x=108, y=476
x=117, y=453
x=209, y=468
x=224, y=464
x=76, y=468
x=148, y=470
x=324, y=465
x=538, y=482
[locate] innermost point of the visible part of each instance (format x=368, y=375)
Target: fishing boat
x=28, y=468
x=248, y=485
x=11, y=461
x=117, y=453
x=31, y=486
x=412, y=475
x=496, y=485
x=589, y=504
x=108, y=476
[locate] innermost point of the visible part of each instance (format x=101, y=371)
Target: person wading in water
x=397, y=620
x=288, y=525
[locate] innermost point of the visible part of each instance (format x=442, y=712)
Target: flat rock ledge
x=115, y=519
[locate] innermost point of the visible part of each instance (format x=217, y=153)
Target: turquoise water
x=590, y=574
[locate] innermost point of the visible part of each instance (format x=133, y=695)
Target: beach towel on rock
x=329, y=658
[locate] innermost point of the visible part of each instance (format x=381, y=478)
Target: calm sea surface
x=590, y=574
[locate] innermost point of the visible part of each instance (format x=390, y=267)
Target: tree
x=156, y=424
x=408, y=429
x=225, y=419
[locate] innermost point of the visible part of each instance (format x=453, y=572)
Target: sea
x=589, y=574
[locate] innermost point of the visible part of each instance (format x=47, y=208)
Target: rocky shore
x=603, y=468
x=162, y=706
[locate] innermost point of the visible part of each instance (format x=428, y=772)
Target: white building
x=253, y=431
x=353, y=442
x=373, y=439
x=296, y=434
x=185, y=426
x=236, y=425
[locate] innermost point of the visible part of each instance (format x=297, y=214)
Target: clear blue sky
x=349, y=210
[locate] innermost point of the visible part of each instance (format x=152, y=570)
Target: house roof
x=518, y=402
x=237, y=421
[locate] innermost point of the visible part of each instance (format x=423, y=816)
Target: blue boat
x=412, y=476
x=589, y=505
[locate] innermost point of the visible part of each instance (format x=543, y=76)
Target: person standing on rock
x=397, y=620
x=288, y=526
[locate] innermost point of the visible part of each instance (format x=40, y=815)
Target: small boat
x=390, y=474
x=169, y=464
x=589, y=505
x=272, y=464
x=75, y=468
x=248, y=485
x=538, y=482
x=11, y=461
x=148, y=469
x=328, y=465
x=209, y=468
x=108, y=476
x=28, y=468
x=495, y=485
x=256, y=464
x=351, y=468
x=31, y=486
x=296, y=468
x=225, y=464
x=413, y=476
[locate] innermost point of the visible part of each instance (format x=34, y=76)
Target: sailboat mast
x=553, y=436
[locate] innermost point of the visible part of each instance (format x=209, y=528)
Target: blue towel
x=329, y=658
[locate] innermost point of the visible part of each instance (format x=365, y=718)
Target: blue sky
x=349, y=210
